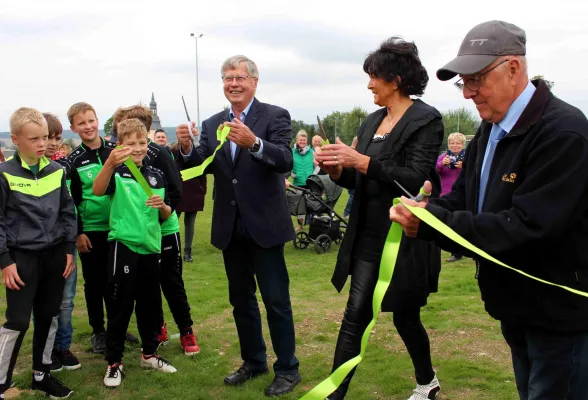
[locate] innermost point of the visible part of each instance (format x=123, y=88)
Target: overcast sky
x=309, y=53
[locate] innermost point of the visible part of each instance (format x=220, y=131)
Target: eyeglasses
x=239, y=78
x=474, y=83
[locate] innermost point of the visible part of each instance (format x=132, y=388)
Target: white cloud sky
x=309, y=53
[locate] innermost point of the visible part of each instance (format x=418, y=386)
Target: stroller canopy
x=322, y=184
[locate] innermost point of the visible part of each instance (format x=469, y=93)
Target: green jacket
x=93, y=211
x=303, y=165
x=133, y=223
x=36, y=211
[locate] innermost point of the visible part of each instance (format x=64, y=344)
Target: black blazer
x=409, y=156
x=254, y=187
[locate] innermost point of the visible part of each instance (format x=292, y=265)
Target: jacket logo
x=20, y=185
x=509, y=178
x=85, y=162
x=127, y=175
x=152, y=181
x=479, y=41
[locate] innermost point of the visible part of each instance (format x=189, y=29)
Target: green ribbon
x=387, y=263
x=194, y=172
x=137, y=175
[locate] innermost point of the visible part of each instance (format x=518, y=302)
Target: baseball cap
x=482, y=45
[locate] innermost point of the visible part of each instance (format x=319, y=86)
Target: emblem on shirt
x=509, y=177
x=152, y=181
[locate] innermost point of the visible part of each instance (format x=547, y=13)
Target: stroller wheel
x=322, y=243
x=301, y=242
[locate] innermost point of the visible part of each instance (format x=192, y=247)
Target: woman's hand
x=343, y=156
x=334, y=171
x=459, y=164
x=446, y=161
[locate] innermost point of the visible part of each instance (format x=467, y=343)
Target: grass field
x=470, y=357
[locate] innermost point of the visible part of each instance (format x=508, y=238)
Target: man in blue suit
x=251, y=221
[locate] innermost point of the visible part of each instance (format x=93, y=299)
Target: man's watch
x=256, y=146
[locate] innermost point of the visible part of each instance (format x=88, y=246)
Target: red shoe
x=189, y=344
x=162, y=336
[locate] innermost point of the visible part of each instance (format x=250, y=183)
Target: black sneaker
x=67, y=359
x=98, y=342
x=188, y=255
x=51, y=387
x=56, y=364
x=130, y=338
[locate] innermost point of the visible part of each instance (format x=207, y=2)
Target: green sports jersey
x=93, y=211
x=133, y=223
x=171, y=226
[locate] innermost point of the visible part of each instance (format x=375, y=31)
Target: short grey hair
x=234, y=63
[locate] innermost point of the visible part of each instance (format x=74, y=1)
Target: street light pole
x=196, y=37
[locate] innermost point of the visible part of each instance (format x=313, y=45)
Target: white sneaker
x=157, y=363
x=426, y=392
x=114, y=375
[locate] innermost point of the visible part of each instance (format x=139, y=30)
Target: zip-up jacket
x=534, y=216
x=93, y=211
x=36, y=212
x=131, y=221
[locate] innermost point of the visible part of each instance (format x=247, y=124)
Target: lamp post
x=196, y=37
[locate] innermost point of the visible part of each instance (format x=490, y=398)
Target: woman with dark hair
x=399, y=142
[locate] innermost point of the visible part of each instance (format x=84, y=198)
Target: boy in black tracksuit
x=93, y=213
x=37, y=241
x=172, y=283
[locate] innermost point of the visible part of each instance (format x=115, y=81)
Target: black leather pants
x=358, y=315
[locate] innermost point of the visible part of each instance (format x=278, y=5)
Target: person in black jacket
x=400, y=142
x=521, y=197
x=251, y=221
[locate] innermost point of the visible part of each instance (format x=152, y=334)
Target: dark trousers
x=42, y=274
x=548, y=365
x=172, y=283
x=189, y=221
x=94, y=270
x=133, y=278
x=244, y=261
x=358, y=315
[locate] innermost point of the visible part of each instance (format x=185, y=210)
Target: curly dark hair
x=398, y=60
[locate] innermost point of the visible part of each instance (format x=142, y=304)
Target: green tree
x=108, y=127
x=459, y=120
x=344, y=125
x=550, y=84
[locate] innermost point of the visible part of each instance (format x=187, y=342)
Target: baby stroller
x=325, y=225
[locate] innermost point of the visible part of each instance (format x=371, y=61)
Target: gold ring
x=335, y=158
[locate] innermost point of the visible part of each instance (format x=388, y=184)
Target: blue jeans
x=64, y=328
x=347, y=210
x=548, y=365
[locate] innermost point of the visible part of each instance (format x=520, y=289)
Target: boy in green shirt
x=135, y=247
x=37, y=240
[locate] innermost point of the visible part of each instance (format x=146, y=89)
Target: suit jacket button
x=234, y=181
x=233, y=202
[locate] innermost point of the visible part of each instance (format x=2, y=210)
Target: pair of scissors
x=189, y=122
x=420, y=197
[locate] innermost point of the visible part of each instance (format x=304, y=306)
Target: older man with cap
x=522, y=197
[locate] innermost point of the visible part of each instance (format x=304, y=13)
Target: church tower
x=156, y=124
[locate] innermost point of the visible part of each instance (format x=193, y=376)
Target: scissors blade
x=321, y=129
x=404, y=190
x=186, y=109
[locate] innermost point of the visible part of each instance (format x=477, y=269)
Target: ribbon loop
x=194, y=172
